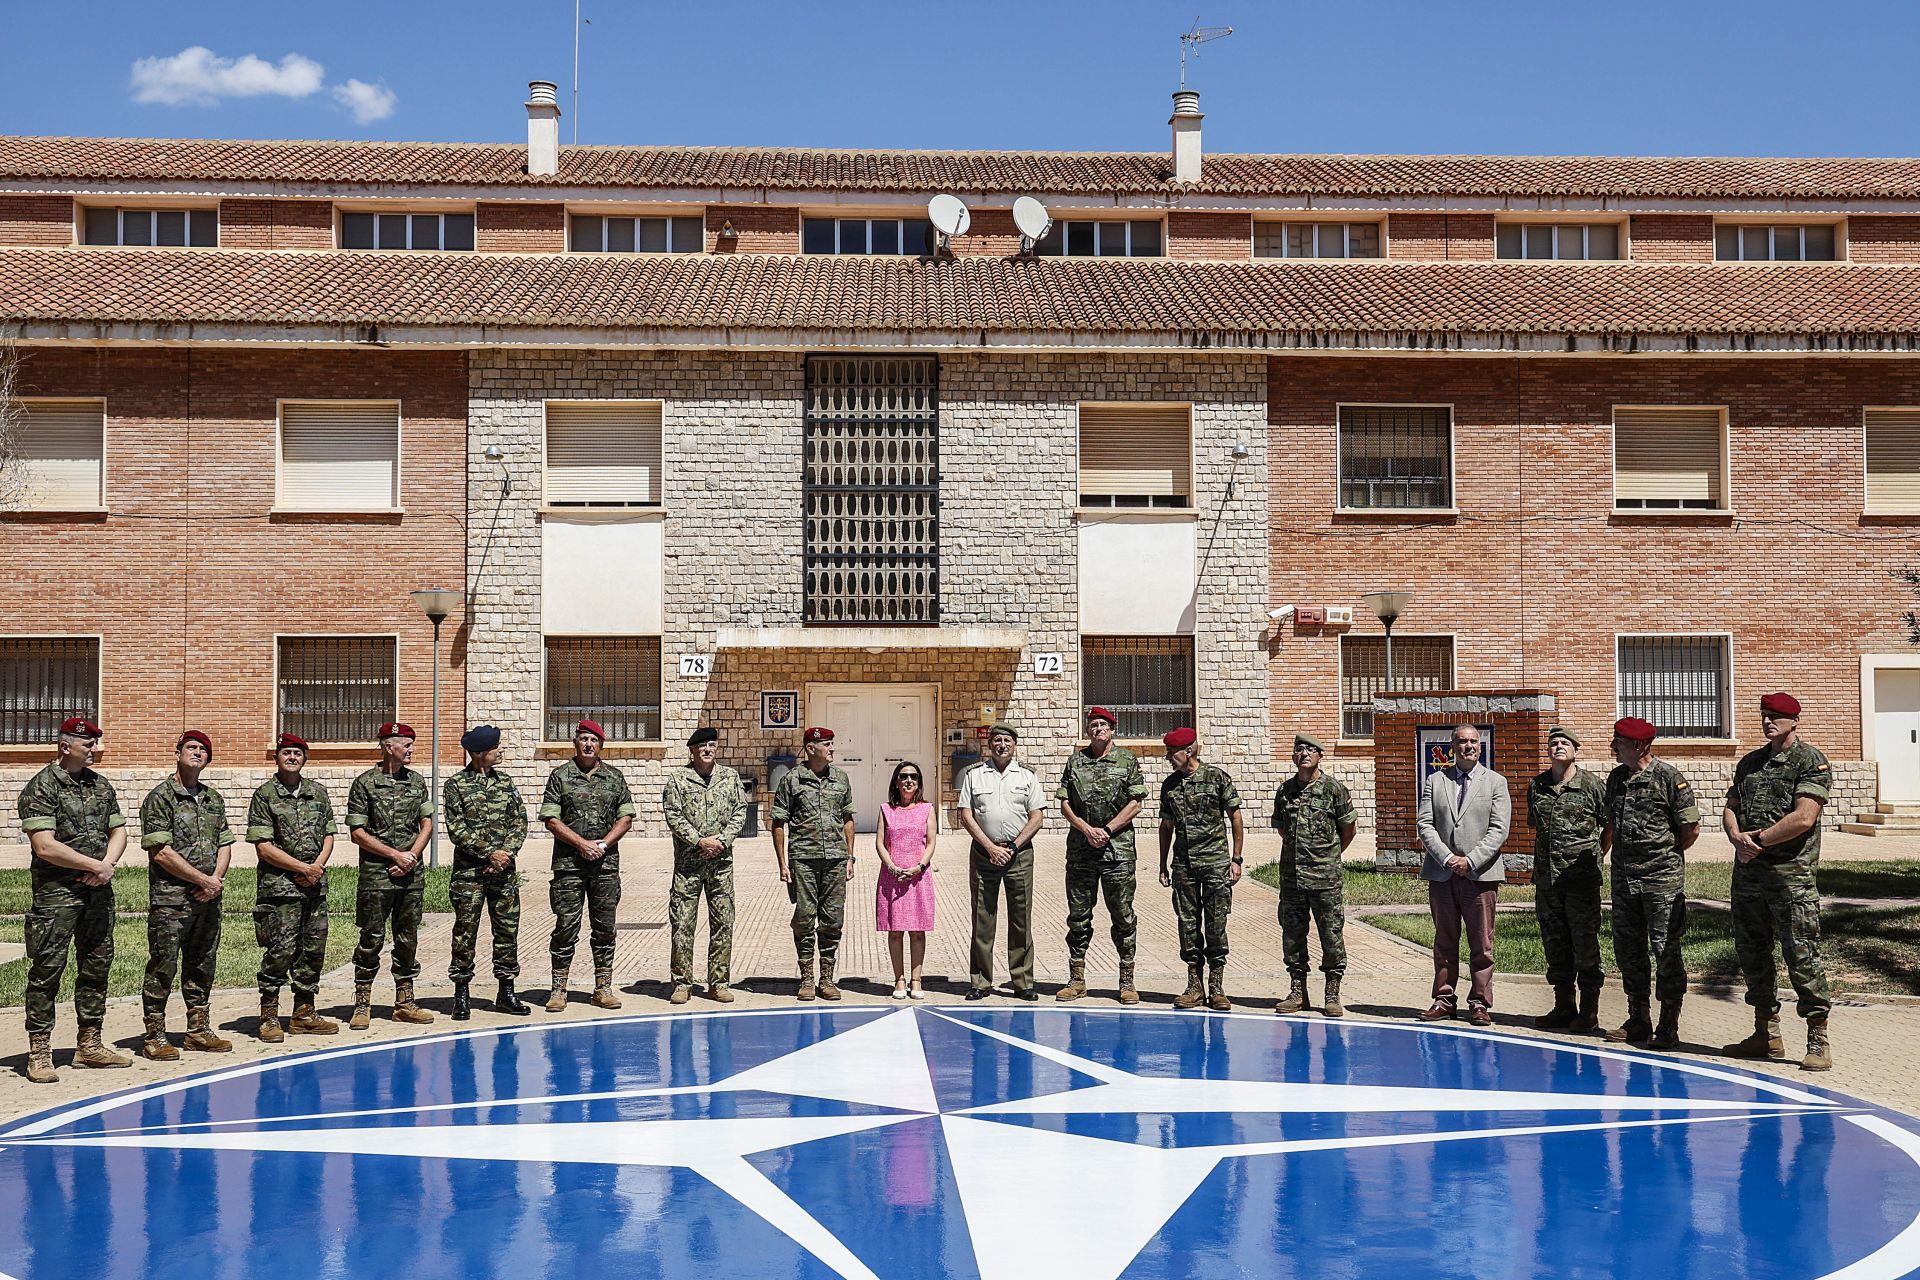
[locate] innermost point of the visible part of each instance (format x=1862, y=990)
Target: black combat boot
x=462, y=1003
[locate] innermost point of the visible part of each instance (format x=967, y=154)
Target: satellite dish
x=949, y=216
x=1033, y=220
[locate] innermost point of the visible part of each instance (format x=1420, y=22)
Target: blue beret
x=482, y=737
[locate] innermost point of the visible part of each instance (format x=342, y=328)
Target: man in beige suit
x=1465, y=813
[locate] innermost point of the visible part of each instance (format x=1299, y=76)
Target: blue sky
x=1632, y=77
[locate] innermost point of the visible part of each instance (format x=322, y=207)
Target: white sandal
x=900, y=989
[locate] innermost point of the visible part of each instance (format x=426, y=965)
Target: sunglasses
x=909, y=777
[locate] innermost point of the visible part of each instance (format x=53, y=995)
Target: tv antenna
x=1193, y=39
x=1033, y=220
x=949, y=216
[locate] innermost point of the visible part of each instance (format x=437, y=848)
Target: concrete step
x=1898, y=807
x=1862, y=829
x=1890, y=821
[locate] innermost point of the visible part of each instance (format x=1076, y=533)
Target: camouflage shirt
x=390, y=809
x=297, y=823
x=194, y=823
x=697, y=807
x=1765, y=787
x=815, y=809
x=81, y=810
x=1567, y=822
x=1308, y=816
x=589, y=802
x=1098, y=787
x=484, y=812
x=1198, y=804
x=1648, y=811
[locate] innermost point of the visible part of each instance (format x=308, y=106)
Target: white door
x=875, y=727
x=1896, y=733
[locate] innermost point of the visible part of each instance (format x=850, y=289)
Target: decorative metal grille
x=1676, y=683
x=337, y=688
x=1395, y=456
x=1146, y=681
x=872, y=490
x=614, y=680
x=1421, y=664
x=42, y=682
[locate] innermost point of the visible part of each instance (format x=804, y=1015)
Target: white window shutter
x=1893, y=460
x=1135, y=451
x=1666, y=457
x=604, y=453
x=61, y=444
x=339, y=455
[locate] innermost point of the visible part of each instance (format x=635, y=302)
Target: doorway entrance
x=875, y=727
x=1896, y=733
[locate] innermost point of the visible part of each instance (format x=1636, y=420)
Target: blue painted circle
x=888, y=1142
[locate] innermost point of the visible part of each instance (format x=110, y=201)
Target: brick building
x=726, y=436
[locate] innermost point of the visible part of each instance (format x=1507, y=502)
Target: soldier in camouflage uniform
x=72, y=819
x=389, y=817
x=487, y=822
x=183, y=828
x=1567, y=809
x=290, y=822
x=1100, y=791
x=706, y=807
x=588, y=808
x=1652, y=819
x=1198, y=804
x=812, y=819
x=1315, y=818
x=1772, y=817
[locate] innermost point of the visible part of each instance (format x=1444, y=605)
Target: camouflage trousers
x=1325, y=908
x=1202, y=899
x=594, y=893
x=1569, y=918
x=182, y=941
x=818, y=891
x=1086, y=881
x=693, y=876
x=292, y=933
x=498, y=898
x=83, y=918
x=373, y=910
x=987, y=883
x=1790, y=912
x=1649, y=924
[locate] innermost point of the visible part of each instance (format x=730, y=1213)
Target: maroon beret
x=290, y=740
x=1101, y=713
x=592, y=727
x=1181, y=737
x=79, y=727
x=1781, y=704
x=1634, y=729
x=394, y=729
x=818, y=733
x=194, y=735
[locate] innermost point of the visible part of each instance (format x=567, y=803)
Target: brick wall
x=36, y=220
x=761, y=229
x=990, y=234
x=1671, y=237
x=1461, y=236
x=1883, y=239
x=1221, y=236
x=276, y=224
x=520, y=228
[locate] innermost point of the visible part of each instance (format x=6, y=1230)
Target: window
x=1147, y=681
x=866, y=235
x=1593, y=241
x=1669, y=459
x=1135, y=456
x=1396, y=457
x=1733, y=242
x=871, y=485
x=612, y=679
x=603, y=453
x=198, y=228
x=1421, y=664
x=593, y=234
x=1676, y=683
x=1135, y=239
x=336, y=688
x=1316, y=239
x=339, y=455
x=1893, y=461
x=44, y=680
x=406, y=231
x=61, y=445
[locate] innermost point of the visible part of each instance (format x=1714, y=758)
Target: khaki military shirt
x=1309, y=816
x=1648, y=811
x=484, y=813
x=81, y=810
x=698, y=807
x=390, y=809
x=815, y=809
x=1567, y=821
x=589, y=802
x=1001, y=800
x=1198, y=805
x=194, y=823
x=1765, y=787
x=1098, y=788
x=297, y=822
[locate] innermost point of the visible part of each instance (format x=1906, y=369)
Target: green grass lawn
x=1366, y=887
x=130, y=890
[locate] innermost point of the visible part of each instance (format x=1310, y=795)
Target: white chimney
x=1186, y=136
x=543, y=128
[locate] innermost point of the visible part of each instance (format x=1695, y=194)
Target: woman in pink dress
x=903, y=896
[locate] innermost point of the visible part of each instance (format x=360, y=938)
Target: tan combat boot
x=1129, y=994
x=1588, y=1019
x=1667, y=1034
x=1076, y=982
x=90, y=1051
x=557, y=994
x=40, y=1058
x=1296, y=997
x=1195, y=993
x=1765, y=1041
x=201, y=1036
x=1819, y=1048
x=308, y=1022
x=720, y=991
x=682, y=992
x=155, y=1047
x=404, y=1009
x=828, y=989
x=1332, y=1007
x=1639, y=1024
x=270, y=1029
x=805, y=991
x=362, y=1006
x=603, y=997
x=1217, y=989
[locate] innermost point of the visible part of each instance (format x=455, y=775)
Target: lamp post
x=1388, y=606
x=436, y=603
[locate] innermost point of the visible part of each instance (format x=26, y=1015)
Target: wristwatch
x=1238, y=861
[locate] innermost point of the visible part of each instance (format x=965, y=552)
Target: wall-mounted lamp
x=1241, y=450
x=494, y=453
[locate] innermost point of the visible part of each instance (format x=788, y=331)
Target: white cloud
x=368, y=102
x=200, y=77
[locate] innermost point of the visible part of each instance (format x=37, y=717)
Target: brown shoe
x=682, y=992
x=1764, y=1043
x=40, y=1058
x=828, y=988
x=154, y=1045
x=1296, y=998
x=201, y=1037
x=362, y=1006
x=806, y=988
x=404, y=1009
x=271, y=1032
x=1438, y=1011
x=1478, y=1015
x=1195, y=993
x=1129, y=994
x=603, y=997
x=557, y=993
x=1332, y=1007
x=89, y=1051
x=306, y=1020
x=719, y=991
x=1217, y=989
x=1076, y=982
x=1819, y=1048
